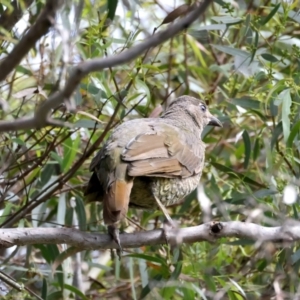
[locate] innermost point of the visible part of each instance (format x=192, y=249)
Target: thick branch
x=39, y=29
x=41, y=117
x=289, y=232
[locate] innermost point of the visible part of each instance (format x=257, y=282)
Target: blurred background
x=242, y=59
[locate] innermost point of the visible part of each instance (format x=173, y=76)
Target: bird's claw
x=167, y=226
x=114, y=233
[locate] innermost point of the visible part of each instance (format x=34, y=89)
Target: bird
x=150, y=163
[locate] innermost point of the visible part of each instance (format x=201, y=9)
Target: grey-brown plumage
x=145, y=159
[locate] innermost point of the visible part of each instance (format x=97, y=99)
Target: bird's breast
x=172, y=190
x=168, y=190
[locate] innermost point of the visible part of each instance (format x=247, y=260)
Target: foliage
x=243, y=59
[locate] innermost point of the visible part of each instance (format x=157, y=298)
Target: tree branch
x=39, y=29
x=289, y=232
x=41, y=117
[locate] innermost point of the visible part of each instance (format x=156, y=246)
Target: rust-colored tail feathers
x=113, y=189
x=116, y=201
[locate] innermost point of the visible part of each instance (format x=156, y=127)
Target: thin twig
x=20, y=287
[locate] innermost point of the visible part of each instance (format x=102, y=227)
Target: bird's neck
x=184, y=121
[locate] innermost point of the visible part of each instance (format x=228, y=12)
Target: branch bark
x=39, y=29
x=288, y=232
x=41, y=117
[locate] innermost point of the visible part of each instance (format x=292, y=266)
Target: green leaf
x=6, y=212
x=44, y=289
x=56, y=157
x=90, y=124
x=285, y=95
x=77, y=97
x=148, y=67
x=294, y=132
x=262, y=265
x=264, y=193
x=61, y=209
x=199, y=291
x=46, y=173
x=208, y=27
x=177, y=271
x=240, y=242
x=69, y=216
x=149, y=258
x=231, y=173
x=142, y=85
x=18, y=141
x=294, y=15
x=256, y=149
x=156, y=280
x=256, y=36
x=276, y=133
x=49, y=252
x=70, y=150
x=247, y=143
x=266, y=19
x=269, y=57
x=168, y=291
x=99, y=266
x=112, y=6
x=246, y=102
x=247, y=31
x=23, y=70
x=80, y=210
x=75, y=291
x=295, y=211
x=92, y=89
x=187, y=292
x=296, y=256
x=55, y=296
x=232, y=51
x=273, y=108
x=227, y=20
x=220, y=2
x=33, y=175
x=202, y=36
x=210, y=283
x=132, y=278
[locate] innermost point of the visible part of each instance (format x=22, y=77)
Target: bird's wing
x=96, y=160
x=165, y=153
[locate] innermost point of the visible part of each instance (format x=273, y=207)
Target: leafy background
x=242, y=58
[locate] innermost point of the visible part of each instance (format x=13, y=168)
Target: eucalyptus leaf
x=246, y=102
x=233, y=51
x=285, y=95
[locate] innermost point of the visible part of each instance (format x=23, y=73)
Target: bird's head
x=193, y=109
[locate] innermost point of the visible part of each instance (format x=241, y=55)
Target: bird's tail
x=93, y=191
x=116, y=201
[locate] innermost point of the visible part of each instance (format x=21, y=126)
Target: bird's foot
x=114, y=233
x=167, y=227
x=165, y=212
x=169, y=224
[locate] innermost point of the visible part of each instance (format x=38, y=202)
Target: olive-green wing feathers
x=163, y=153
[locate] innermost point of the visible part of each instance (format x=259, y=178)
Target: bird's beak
x=215, y=122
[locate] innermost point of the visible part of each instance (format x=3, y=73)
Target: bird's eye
x=203, y=107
